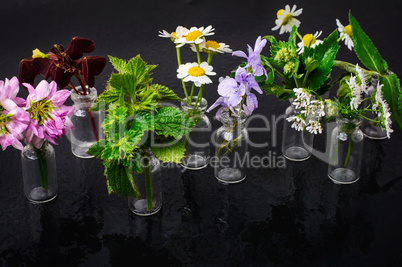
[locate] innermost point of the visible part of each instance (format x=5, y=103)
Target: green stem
x=42, y=164
x=352, y=68
x=209, y=59
x=148, y=182
x=349, y=149
x=280, y=75
x=182, y=82
x=197, y=47
x=199, y=96
x=192, y=92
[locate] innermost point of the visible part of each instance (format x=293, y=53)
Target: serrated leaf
x=118, y=64
x=325, y=54
x=109, y=96
x=393, y=96
x=125, y=83
x=120, y=180
x=96, y=149
x=164, y=93
x=170, y=121
x=172, y=153
x=365, y=49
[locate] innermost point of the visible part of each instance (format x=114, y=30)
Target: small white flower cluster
x=357, y=88
x=383, y=111
x=310, y=112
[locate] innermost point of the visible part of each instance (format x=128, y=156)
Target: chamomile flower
x=309, y=40
x=195, y=73
x=286, y=19
x=178, y=33
x=212, y=47
x=346, y=34
x=194, y=36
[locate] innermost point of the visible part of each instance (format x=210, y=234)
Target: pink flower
x=13, y=118
x=49, y=118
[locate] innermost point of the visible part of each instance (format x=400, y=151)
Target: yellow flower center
x=41, y=110
x=348, y=30
x=308, y=40
x=212, y=44
x=196, y=71
x=286, y=19
x=192, y=36
x=174, y=34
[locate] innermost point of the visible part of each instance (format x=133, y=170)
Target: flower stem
x=148, y=182
x=42, y=164
x=182, y=82
x=197, y=47
x=349, y=150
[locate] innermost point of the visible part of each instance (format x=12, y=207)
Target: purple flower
x=48, y=116
x=225, y=106
x=13, y=118
x=229, y=88
x=254, y=57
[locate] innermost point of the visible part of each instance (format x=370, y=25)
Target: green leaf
x=109, y=96
x=171, y=153
x=365, y=50
x=170, y=121
x=120, y=180
x=118, y=64
x=325, y=54
x=164, y=93
x=97, y=149
x=125, y=83
x=393, y=96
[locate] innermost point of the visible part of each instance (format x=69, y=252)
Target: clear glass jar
x=369, y=128
x=346, y=150
x=39, y=173
x=149, y=184
x=87, y=124
x=198, y=140
x=296, y=145
x=231, y=148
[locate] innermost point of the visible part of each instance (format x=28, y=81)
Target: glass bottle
x=346, y=150
x=87, y=124
x=296, y=145
x=149, y=184
x=231, y=148
x=198, y=140
x=39, y=173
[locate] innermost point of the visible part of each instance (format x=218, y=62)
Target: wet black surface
x=276, y=217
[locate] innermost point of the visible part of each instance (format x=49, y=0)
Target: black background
x=277, y=216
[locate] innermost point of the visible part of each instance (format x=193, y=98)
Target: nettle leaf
x=120, y=179
x=393, y=96
x=170, y=153
x=109, y=96
x=118, y=64
x=138, y=68
x=125, y=83
x=325, y=54
x=365, y=49
x=97, y=148
x=164, y=93
x=170, y=121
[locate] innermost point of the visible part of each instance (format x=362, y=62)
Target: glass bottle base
x=374, y=132
x=80, y=151
x=296, y=153
x=139, y=207
x=194, y=162
x=39, y=195
x=343, y=176
x=230, y=176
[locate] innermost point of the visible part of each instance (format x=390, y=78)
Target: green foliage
x=134, y=115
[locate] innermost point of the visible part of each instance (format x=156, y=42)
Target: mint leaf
x=365, y=50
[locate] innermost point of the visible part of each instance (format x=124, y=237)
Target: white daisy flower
x=309, y=40
x=195, y=73
x=212, y=47
x=179, y=33
x=346, y=34
x=194, y=36
x=286, y=19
